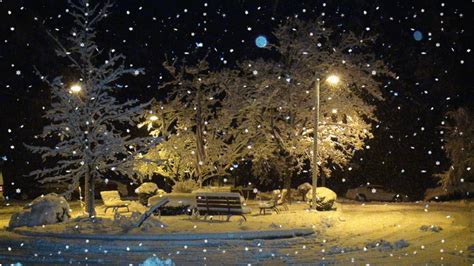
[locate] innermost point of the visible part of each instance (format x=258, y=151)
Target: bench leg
x=245, y=218
x=106, y=208
x=228, y=217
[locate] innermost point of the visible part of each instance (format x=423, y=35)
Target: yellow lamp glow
x=333, y=80
x=76, y=88
x=153, y=118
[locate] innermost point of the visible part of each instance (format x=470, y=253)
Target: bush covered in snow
x=148, y=190
x=325, y=198
x=186, y=186
x=49, y=209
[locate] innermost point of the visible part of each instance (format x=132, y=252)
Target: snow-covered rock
x=48, y=209
x=147, y=190
x=325, y=198
x=154, y=261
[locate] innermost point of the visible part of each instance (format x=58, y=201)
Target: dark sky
x=435, y=72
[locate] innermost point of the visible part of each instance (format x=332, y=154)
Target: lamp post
x=333, y=80
x=89, y=186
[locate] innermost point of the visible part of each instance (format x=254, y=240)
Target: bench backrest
x=224, y=202
x=110, y=196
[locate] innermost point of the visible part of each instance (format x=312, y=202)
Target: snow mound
x=147, y=188
x=49, y=209
x=154, y=261
x=325, y=198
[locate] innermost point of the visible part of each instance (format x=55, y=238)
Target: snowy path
x=340, y=242
x=305, y=250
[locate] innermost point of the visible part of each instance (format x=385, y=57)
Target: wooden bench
x=112, y=200
x=220, y=203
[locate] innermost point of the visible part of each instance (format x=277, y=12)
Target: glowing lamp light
x=153, y=118
x=261, y=41
x=333, y=80
x=418, y=35
x=76, y=88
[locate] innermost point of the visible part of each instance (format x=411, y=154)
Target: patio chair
x=112, y=200
x=278, y=199
x=283, y=199
x=270, y=204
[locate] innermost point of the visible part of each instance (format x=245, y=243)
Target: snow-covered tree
x=459, y=147
x=89, y=131
x=280, y=102
x=196, y=122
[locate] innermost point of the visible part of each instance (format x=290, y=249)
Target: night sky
x=427, y=43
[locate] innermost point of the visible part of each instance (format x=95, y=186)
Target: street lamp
x=153, y=118
x=76, y=88
x=332, y=80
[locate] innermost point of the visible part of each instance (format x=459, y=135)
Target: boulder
x=325, y=198
x=48, y=209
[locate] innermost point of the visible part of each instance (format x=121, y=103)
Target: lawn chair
x=112, y=200
x=270, y=204
x=278, y=199
x=283, y=199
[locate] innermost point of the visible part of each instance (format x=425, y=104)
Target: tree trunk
x=287, y=181
x=89, y=194
x=314, y=167
x=200, y=153
x=287, y=185
x=323, y=179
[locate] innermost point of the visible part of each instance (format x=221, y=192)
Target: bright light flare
x=261, y=41
x=76, y=88
x=153, y=118
x=333, y=80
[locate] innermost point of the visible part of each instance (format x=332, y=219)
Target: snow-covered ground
x=371, y=233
